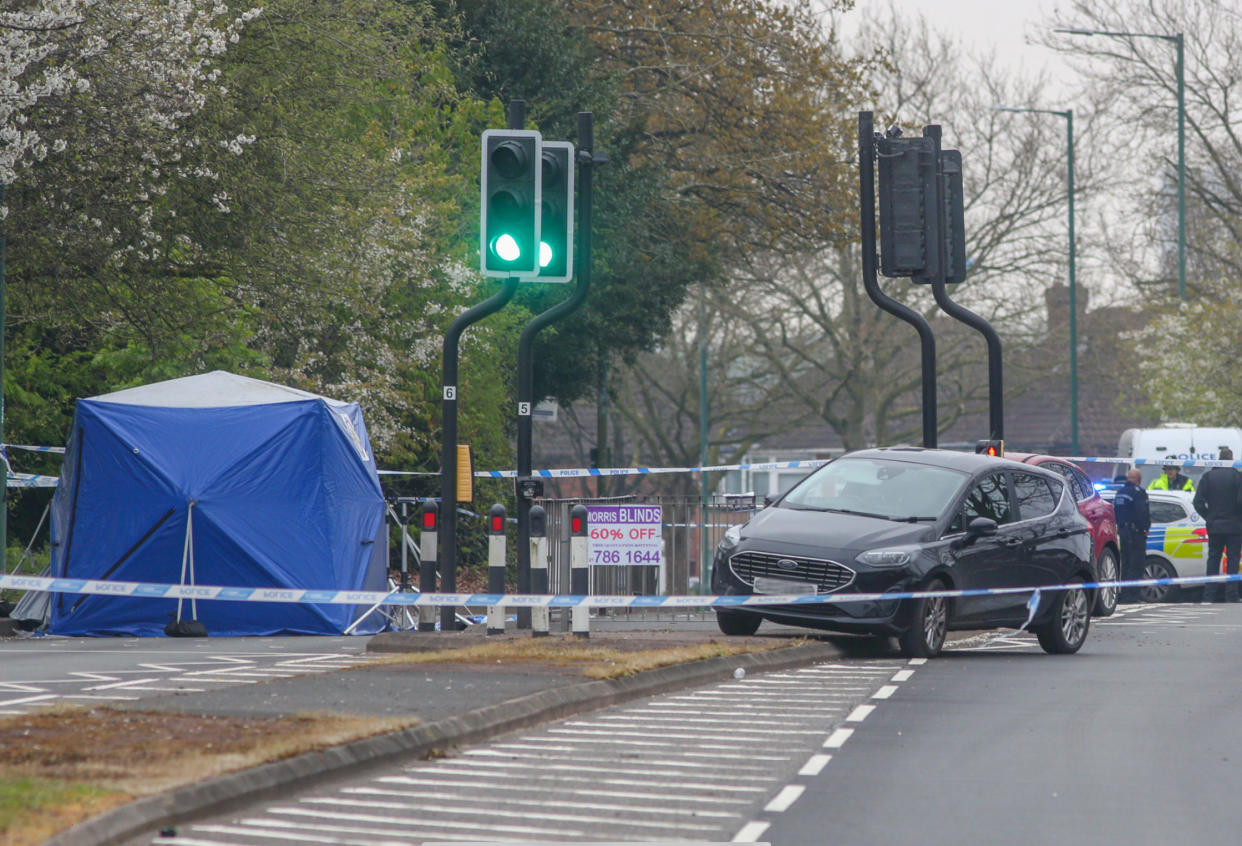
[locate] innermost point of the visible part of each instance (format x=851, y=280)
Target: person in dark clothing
x=1217, y=501
x=1133, y=521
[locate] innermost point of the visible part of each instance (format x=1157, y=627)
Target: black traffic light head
x=907, y=199
x=954, y=219
x=509, y=212
x=993, y=448
x=911, y=183
x=556, y=245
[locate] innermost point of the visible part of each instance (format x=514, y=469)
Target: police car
x=1176, y=544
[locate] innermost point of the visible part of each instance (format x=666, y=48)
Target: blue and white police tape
x=580, y=472
x=151, y=590
x=1167, y=461
x=29, y=480
x=810, y=464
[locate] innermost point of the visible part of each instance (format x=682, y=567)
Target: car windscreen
x=895, y=490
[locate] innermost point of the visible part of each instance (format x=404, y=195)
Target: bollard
x=539, y=622
x=404, y=520
x=496, y=567
x=579, y=570
x=427, y=551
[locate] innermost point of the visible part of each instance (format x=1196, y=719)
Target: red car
x=1098, y=513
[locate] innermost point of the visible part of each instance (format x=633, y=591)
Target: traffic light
x=910, y=185
x=996, y=449
x=954, y=218
x=556, y=244
x=509, y=213
x=907, y=198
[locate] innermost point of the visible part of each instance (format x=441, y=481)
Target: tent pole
x=185, y=557
x=189, y=539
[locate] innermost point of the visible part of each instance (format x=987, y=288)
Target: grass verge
x=596, y=662
x=65, y=764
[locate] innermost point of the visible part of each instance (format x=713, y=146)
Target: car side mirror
x=980, y=527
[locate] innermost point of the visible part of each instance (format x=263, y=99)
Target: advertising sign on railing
x=625, y=535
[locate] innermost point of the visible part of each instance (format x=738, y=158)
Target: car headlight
x=896, y=556
x=732, y=536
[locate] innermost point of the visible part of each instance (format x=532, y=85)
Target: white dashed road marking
x=696, y=765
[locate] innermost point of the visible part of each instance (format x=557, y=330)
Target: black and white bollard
x=496, y=567
x=539, y=617
x=579, y=570
x=427, y=553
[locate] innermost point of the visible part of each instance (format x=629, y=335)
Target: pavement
x=456, y=703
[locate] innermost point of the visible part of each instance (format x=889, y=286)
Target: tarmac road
x=1135, y=740
x=40, y=671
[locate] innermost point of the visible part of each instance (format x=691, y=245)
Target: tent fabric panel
x=91, y=532
x=193, y=446
x=353, y=496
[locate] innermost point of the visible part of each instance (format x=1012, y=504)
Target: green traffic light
x=545, y=254
x=507, y=248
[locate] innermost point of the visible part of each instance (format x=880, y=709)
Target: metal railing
x=687, y=528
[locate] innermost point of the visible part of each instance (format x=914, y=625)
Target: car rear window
x=1035, y=495
x=1079, y=484
x=1167, y=512
x=1086, y=490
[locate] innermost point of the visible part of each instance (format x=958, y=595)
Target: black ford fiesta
x=904, y=519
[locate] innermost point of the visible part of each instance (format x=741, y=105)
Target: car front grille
x=827, y=576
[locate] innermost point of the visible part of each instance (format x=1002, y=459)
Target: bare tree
x=1137, y=77
x=795, y=342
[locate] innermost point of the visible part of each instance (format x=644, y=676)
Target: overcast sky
x=984, y=24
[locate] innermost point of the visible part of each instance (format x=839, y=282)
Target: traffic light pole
x=866, y=194
x=448, y=445
x=996, y=400
x=526, y=359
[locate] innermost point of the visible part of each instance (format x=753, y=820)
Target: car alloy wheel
x=1074, y=616
x=1066, y=631
x=1157, y=568
x=1106, y=597
x=929, y=622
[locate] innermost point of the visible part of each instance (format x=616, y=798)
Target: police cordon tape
x=29, y=480
x=1156, y=462
x=810, y=464
x=579, y=472
x=16, y=480
x=153, y=590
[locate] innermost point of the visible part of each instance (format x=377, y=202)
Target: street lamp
x=1068, y=114
x=1181, y=137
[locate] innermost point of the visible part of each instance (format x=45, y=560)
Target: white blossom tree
x=164, y=51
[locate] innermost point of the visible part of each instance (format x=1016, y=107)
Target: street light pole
x=1068, y=114
x=1181, y=168
x=1178, y=41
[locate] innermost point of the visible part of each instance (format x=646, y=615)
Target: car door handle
x=1011, y=541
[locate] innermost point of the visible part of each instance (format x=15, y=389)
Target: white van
x=1176, y=442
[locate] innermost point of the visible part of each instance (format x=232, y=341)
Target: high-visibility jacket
x=1161, y=483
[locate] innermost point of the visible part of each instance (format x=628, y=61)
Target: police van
x=1174, y=443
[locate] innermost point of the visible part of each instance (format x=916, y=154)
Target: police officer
x=1172, y=480
x=1217, y=501
x=1133, y=521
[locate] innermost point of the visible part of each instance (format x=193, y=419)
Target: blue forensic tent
x=255, y=484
